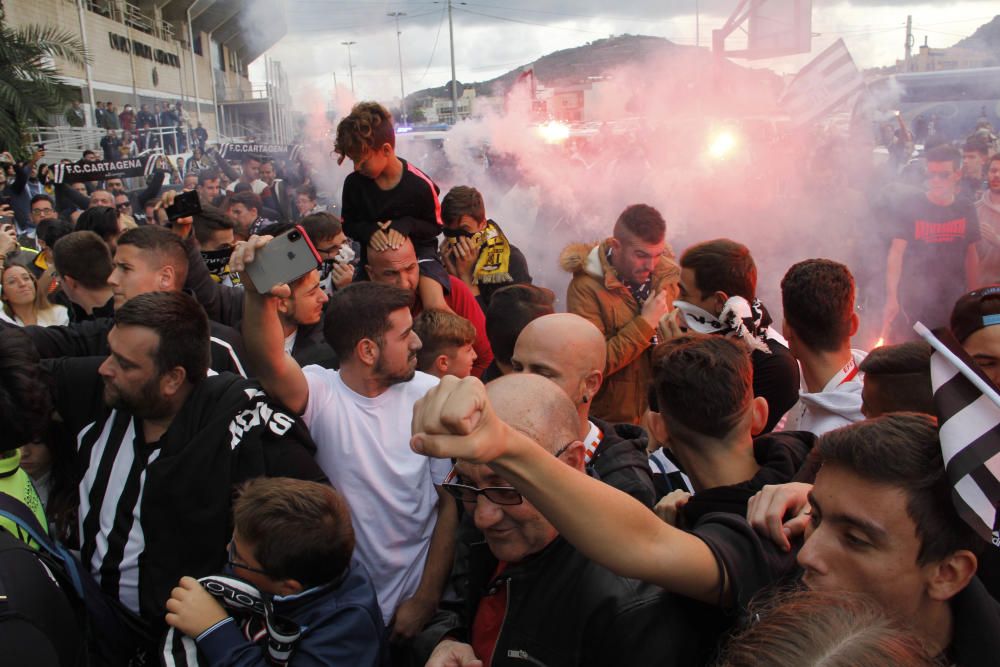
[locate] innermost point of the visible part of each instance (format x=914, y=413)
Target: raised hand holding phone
x=268, y=264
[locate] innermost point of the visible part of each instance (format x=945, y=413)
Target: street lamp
x=350, y=64
x=399, y=49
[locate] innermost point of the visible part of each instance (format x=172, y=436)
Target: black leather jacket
x=563, y=609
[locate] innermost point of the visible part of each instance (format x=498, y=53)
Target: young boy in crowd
x=447, y=343
x=292, y=540
x=387, y=199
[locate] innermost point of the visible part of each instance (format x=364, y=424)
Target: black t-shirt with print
x=933, y=275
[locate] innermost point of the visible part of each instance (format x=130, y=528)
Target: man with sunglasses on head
x=527, y=596
x=933, y=256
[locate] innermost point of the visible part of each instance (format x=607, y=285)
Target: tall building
x=196, y=52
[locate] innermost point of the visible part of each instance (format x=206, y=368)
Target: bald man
x=398, y=267
x=571, y=351
x=529, y=597
x=102, y=198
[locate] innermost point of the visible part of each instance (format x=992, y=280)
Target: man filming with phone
x=359, y=417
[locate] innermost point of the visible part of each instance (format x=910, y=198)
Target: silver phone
x=284, y=259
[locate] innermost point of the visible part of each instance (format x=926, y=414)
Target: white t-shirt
x=363, y=446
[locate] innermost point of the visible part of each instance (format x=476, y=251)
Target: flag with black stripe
x=827, y=83
x=968, y=410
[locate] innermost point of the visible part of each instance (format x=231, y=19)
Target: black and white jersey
x=111, y=531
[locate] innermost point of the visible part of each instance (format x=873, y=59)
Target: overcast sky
x=494, y=36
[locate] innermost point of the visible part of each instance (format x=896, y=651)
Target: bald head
x=529, y=404
x=102, y=198
x=568, y=350
x=396, y=267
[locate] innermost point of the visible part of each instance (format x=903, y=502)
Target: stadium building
x=191, y=51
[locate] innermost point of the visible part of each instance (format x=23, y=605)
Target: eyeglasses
x=499, y=495
x=233, y=563
x=42, y=211
x=123, y=205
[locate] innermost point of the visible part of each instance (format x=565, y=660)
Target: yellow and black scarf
x=493, y=265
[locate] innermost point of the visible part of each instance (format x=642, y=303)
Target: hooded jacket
x=839, y=404
x=988, y=212
x=597, y=294
x=341, y=624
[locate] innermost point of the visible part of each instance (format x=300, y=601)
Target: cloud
x=495, y=36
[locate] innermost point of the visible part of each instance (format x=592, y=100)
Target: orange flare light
x=722, y=145
x=554, y=132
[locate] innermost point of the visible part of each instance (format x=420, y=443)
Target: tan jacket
x=597, y=294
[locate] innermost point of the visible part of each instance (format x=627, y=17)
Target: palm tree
x=30, y=85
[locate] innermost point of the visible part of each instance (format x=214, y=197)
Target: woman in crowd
x=23, y=303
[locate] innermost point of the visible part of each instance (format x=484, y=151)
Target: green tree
x=30, y=86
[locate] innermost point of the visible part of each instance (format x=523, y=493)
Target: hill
x=575, y=65
x=986, y=38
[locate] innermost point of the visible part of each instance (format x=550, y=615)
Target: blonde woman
x=23, y=303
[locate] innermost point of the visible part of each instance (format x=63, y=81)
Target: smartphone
x=286, y=258
x=5, y=201
x=185, y=205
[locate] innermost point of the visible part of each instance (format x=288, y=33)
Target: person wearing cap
x=974, y=321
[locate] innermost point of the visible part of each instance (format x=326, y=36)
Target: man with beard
x=161, y=446
x=360, y=418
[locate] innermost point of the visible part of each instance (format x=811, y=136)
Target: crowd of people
x=167, y=127
x=406, y=456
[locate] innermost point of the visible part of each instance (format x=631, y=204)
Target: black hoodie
x=621, y=461
x=780, y=455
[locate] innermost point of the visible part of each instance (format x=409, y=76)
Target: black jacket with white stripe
x=179, y=490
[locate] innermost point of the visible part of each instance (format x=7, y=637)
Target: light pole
x=399, y=49
x=350, y=64
x=454, y=84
